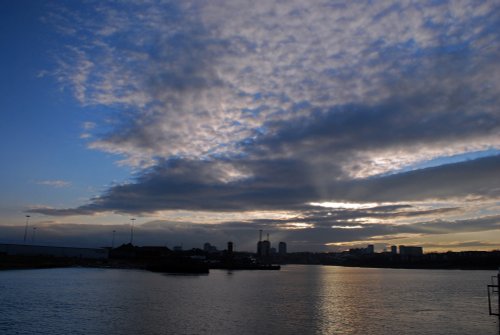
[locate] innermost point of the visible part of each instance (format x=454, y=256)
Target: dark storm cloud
x=285, y=185
x=476, y=177
x=396, y=123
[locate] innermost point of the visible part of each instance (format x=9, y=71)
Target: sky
x=327, y=124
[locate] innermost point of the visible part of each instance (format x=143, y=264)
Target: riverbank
x=40, y=262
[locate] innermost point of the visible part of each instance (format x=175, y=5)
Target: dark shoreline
x=164, y=260
x=33, y=263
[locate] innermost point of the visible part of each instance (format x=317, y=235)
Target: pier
x=493, y=294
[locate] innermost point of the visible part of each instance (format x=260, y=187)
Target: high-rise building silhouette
x=263, y=247
x=282, y=248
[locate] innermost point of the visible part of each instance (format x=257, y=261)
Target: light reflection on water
x=295, y=300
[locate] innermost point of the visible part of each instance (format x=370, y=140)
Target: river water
x=296, y=300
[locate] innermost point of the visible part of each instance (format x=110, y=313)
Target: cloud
x=444, y=227
x=54, y=183
x=234, y=107
x=195, y=79
x=196, y=185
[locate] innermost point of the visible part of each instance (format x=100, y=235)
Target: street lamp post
x=26, y=228
x=132, y=230
x=33, y=235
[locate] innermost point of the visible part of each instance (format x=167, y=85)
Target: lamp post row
x=132, y=230
x=112, y=242
x=26, y=228
x=132, y=220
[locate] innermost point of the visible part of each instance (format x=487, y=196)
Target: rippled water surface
x=295, y=300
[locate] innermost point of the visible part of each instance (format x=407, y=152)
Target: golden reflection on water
x=336, y=314
x=386, y=301
x=350, y=300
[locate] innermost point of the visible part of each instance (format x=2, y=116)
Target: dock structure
x=494, y=294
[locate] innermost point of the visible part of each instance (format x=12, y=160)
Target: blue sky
x=40, y=122
x=327, y=124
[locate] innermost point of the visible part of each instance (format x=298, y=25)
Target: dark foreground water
x=295, y=300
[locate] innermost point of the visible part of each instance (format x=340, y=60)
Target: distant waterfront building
x=178, y=248
x=207, y=247
x=264, y=248
x=64, y=252
x=410, y=250
x=370, y=249
x=394, y=250
x=282, y=248
x=230, y=247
